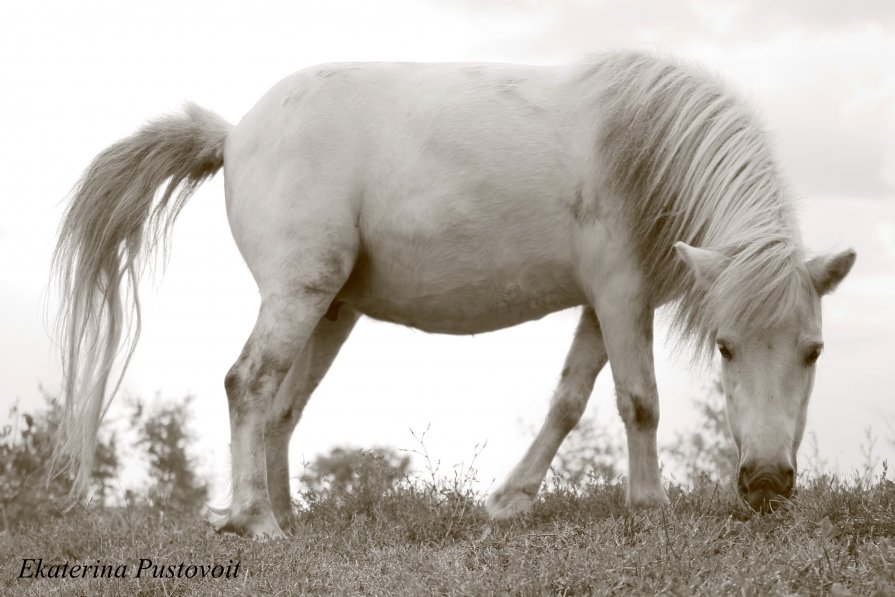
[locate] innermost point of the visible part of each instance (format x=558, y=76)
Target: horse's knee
x=567, y=410
x=639, y=410
x=575, y=385
x=232, y=383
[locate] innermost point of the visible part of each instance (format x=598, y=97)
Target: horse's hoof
x=507, y=503
x=646, y=499
x=259, y=527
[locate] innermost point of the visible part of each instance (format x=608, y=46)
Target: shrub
x=589, y=457
x=27, y=493
x=164, y=436
x=353, y=479
x=707, y=450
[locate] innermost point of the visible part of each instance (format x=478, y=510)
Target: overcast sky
x=76, y=76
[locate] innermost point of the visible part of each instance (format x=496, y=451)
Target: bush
x=588, y=457
x=369, y=494
x=164, y=436
x=353, y=479
x=707, y=451
x=27, y=493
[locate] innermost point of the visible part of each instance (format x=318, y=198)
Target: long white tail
x=116, y=217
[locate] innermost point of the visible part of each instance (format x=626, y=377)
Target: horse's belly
x=457, y=300
x=483, y=268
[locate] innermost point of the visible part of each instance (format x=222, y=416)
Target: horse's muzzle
x=766, y=487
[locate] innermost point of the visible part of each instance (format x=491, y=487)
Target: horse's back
x=481, y=114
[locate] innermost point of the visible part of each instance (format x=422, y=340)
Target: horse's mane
x=691, y=163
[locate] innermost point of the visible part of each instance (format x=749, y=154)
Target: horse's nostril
x=762, y=485
x=744, y=478
x=788, y=478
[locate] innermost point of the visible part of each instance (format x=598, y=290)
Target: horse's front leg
x=586, y=357
x=627, y=322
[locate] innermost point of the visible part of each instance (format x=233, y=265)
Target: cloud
x=568, y=23
x=887, y=238
x=887, y=169
x=820, y=73
x=762, y=15
x=829, y=99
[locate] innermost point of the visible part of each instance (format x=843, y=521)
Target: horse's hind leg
x=297, y=288
x=283, y=327
x=584, y=361
x=305, y=374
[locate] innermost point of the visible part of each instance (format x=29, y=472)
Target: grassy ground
x=421, y=539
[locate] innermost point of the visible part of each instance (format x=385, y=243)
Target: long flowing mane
x=691, y=163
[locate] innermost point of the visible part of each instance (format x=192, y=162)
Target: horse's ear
x=704, y=263
x=828, y=270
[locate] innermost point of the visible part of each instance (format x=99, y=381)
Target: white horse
x=462, y=198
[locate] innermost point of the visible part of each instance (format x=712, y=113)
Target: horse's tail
x=124, y=204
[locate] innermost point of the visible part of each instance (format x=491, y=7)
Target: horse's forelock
x=759, y=289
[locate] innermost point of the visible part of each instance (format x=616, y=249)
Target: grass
x=421, y=538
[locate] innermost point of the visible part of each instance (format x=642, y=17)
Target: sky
x=78, y=76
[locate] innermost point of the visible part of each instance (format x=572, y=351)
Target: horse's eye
x=812, y=356
x=725, y=352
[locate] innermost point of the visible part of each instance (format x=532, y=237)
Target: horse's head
x=768, y=365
